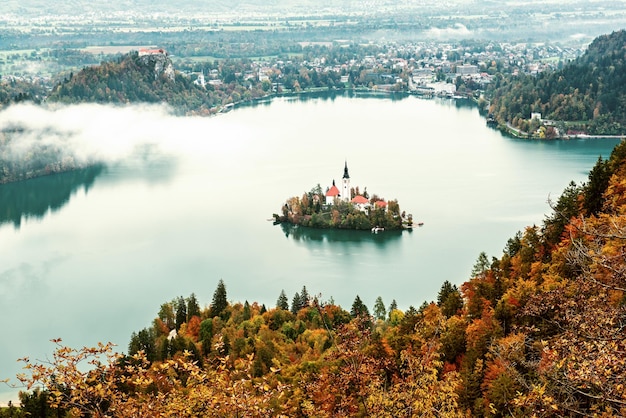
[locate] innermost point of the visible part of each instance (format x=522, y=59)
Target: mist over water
x=181, y=202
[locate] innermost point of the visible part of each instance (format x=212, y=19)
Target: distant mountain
x=590, y=91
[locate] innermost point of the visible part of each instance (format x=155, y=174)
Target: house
x=360, y=202
x=331, y=194
x=146, y=51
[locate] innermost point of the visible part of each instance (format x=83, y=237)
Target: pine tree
x=305, y=299
x=282, y=302
x=296, y=304
x=599, y=177
x=380, y=312
x=193, y=309
x=359, y=308
x=449, y=299
x=392, y=307
x=246, y=311
x=220, y=301
x=481, y=266
x=206, y=335
x=181, y=312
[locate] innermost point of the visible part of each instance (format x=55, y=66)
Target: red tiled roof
x=333, y=191
x=359, y=199
x=381, y=203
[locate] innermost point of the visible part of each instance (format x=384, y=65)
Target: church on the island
x=334, y=194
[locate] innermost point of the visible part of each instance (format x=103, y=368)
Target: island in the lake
x=344, y=207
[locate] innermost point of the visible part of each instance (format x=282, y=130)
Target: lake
x=90, y=255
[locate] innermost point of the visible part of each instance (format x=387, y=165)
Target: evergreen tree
x=358, y=308
x=220, y=301
x=263, y=309
x=296, y=304
x=305, y=298
x=445, y=290
x=380, y=312
x=449, y=299
x=206, y=335
x=166, y=315
x=144, y=341
x=282, y=302
x=599, y=177
x=181, y=312
x=565, y=208
x=193, y=309
x=392, y=307
x=246, y=311
x=481, y=266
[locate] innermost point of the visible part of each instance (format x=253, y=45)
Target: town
x=409, y=48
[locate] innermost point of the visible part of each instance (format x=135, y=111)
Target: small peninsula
x=344, y=207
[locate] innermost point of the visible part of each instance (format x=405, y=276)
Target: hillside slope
x=590, y=91
x=133, y=78
x=537, y=332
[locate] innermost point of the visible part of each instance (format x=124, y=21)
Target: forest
x=589, y=93
x=537, y=331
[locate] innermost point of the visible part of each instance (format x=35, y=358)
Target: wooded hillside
x=131, y=79
x=590, y=91
x=538, y=331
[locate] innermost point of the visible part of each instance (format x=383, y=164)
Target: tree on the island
x=380, y=312
x=358, y=308
x=193, y=308
x=296, y=303
x=393, y=207
x=181, y=312
x=282, y=302
x=220, y=301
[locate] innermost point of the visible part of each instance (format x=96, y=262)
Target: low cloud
x=88, y=132
x=457, y=31
x=145, y=138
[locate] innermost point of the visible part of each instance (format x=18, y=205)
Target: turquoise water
x=90, y=256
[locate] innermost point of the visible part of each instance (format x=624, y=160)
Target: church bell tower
x=345, y=189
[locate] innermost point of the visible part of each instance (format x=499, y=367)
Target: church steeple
x=345, y=186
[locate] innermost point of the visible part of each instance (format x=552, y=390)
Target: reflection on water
x=317, y=235
x=326, y=95
x=34, y=197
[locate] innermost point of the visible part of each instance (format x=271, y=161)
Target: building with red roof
x=331, y=194
x=360, y=201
